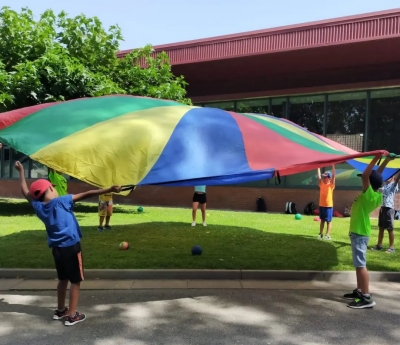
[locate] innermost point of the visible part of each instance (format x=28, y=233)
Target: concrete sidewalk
x=126, y=284
x=243, y=275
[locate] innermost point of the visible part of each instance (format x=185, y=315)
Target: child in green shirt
x=360, y=230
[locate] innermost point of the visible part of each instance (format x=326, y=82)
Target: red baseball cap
x=39, y=187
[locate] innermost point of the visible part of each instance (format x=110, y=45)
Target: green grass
x=163, y=238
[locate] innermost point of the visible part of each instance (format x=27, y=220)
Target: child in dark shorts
x=63, y=236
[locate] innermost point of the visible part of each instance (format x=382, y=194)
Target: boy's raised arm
x=368, y=170
x=95, y=192
x=385, y=162
x=333, y=174
x=24, y=187
x=319, y=175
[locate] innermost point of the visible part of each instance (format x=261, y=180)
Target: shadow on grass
x=9, y=208
x=167, y=245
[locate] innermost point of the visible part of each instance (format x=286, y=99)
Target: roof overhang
x=356, y=49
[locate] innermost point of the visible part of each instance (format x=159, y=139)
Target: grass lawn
x=163, y=238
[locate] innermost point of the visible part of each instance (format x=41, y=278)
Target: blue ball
x=197, y=250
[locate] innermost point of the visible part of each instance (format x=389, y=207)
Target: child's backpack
x=261, y=206
x=290, y=208
x=309, y=209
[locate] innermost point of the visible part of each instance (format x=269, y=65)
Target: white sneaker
x=193, y=223
x=204, y=224
x=328, y=238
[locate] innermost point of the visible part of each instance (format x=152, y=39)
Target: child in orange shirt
x=326, y=183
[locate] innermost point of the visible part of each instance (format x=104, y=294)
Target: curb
x=155, y=274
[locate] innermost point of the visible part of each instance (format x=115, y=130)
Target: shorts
x=326, y=214
x=69, y=263
x=359, y=246
x=386, y=218
x=105, y=208
x=200, y=198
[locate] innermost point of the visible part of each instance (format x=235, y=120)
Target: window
x=17, y=156
x=258, y=106
x=308, y=112
x=229, y=106
x=345, y=122
x=278, y=107
x=5, y=162
x=38, y=170
x=384, y=121
x=308, y=178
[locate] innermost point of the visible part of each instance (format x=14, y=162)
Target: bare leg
x=362, y=280
x=391, y=239
x=194, y=210
x=101, y=221
x=61, y=293
x=321, y=227
x=73, y=298
x=381, y=235
x=108, y=221
x=203, y=212
x=328, y=228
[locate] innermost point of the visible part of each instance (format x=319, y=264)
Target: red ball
x=124, y=245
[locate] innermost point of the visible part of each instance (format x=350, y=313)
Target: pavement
x=189, y=312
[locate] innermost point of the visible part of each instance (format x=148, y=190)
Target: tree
x=58, y=58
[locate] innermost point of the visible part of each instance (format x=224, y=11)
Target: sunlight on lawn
x=163, y=238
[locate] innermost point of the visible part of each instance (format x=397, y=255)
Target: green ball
x=140, y=209
x=297, y=216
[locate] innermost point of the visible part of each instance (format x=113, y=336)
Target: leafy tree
x=59, y=58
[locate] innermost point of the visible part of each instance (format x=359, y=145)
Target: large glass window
x=229, y=106
x=5, y=162
x=258, y=106
x=384, y=121
x=308, y=112
x=308, y=178
x=345, y=122
x=18, y=156
x=278, y=107
x=38, y=170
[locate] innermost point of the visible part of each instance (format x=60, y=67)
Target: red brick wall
x=233, y=198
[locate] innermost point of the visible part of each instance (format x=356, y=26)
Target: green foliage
x=58, y=58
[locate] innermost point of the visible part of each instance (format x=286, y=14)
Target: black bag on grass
x=309, y=209
x=290, y=208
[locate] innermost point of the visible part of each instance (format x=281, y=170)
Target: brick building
x=339, y=78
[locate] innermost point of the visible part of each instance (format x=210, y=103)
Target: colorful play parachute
x=131, y=140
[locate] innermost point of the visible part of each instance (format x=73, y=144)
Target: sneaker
x=193, y=223
x=328, y=238
x=204, y=224
x=320, y=236
x=59, y=315
x=108, y=227
x=377, y=247
x=390, y=250
x=73, y=320
x=354, y=295
x=361, y=303
x=100, y=228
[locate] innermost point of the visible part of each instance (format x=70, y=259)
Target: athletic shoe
x=100, y=228
x=108, y=227
x=73, y=320
x=390, y=250
x=59, y=315
x=354, y=295
x=361, y=303
x=377, y=248
x=328, y=238
x=204, y=224
x=320, y=236
x=193, y=223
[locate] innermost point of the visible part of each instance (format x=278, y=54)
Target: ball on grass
x=297, y=216
x=140, y=209
x=124, y=245
x=197, y=250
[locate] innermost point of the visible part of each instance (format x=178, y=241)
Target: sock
x=359, y=290
x=61, y=310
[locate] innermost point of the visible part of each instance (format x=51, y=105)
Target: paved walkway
x=32, y=285
x=223, y=316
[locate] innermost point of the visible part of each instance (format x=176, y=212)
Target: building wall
x=233, y=198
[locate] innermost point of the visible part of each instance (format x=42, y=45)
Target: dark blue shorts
x=326, y=214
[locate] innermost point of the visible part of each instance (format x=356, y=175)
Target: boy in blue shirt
x=63, y=236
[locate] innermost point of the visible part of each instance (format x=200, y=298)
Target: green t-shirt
x=59, y=181
x=362, y=207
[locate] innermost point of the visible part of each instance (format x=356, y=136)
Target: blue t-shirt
x=61, y=225
x=389, y=190
x=201, y=189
